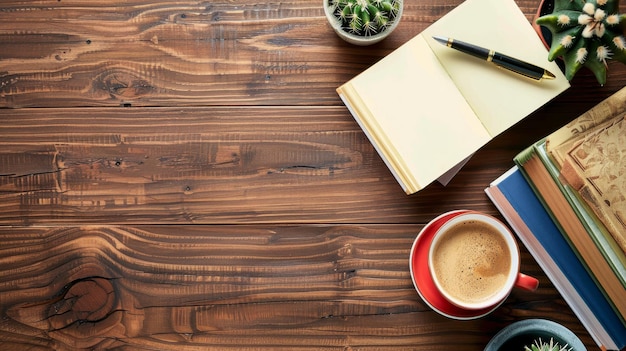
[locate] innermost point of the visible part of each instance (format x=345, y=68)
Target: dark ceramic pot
x=524, y=333
x=545, y=7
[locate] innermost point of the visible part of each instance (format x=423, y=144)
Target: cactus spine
x=586, y=33
x=365, y=17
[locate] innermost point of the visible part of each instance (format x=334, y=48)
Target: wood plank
x=145, y=53
x=220, y=165
x=232, y=288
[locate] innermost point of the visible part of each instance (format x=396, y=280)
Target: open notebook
x=426, y=107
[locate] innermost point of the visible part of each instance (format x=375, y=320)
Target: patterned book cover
x=593, y=162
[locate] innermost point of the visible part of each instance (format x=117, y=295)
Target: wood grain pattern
x=217, y=165
x=194, y=165
x=228, y=288
x=146, y=53
x=173, y=53
x=181, y=175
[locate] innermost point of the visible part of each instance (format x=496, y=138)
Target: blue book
x=525, y=213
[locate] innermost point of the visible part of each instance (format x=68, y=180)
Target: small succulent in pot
x=540, y=345
x=586, y=33
x=363, y=22
x=366, y=17
x=532, y=335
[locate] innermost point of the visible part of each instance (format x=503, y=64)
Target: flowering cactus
x=365, y=17
x=586, y=33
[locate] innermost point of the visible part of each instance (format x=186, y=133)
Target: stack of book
x=566, y=200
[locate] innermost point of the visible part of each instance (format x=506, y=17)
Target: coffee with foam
x=471, y=261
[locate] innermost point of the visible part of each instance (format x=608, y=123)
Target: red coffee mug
x=426, y=284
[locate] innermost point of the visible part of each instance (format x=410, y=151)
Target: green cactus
x=365, y=17
x=540, y=345
x=586, y=33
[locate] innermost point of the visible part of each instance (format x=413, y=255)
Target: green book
x=590, y=156
x=571, y=226
x=581, y=230
x=596, y=229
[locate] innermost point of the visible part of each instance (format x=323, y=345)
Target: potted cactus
x=541, y=345
x=533, y=335
x=363, y=22
x=585, y=33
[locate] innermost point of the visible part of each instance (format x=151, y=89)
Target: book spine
x=378, y=138
x=521, y=207
x=556, y=276
x=572, y=229
x=609, y=248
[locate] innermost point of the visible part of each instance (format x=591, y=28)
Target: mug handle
x=526, y=282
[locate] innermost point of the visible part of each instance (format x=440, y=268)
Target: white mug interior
x=512, y=247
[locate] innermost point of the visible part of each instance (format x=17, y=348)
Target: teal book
x=525, y=213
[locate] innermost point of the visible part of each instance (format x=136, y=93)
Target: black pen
x=512, y=64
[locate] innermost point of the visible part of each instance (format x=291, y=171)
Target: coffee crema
x=471, y=261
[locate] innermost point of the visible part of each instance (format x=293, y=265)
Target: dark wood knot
x=86, y=300
x=123, y=84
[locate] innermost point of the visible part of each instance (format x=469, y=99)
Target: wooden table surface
x=181, y=175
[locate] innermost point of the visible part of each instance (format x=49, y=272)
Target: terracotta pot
x=545, y=7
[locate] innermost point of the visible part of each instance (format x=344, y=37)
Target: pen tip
x=442, y=40
x=548, y=75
